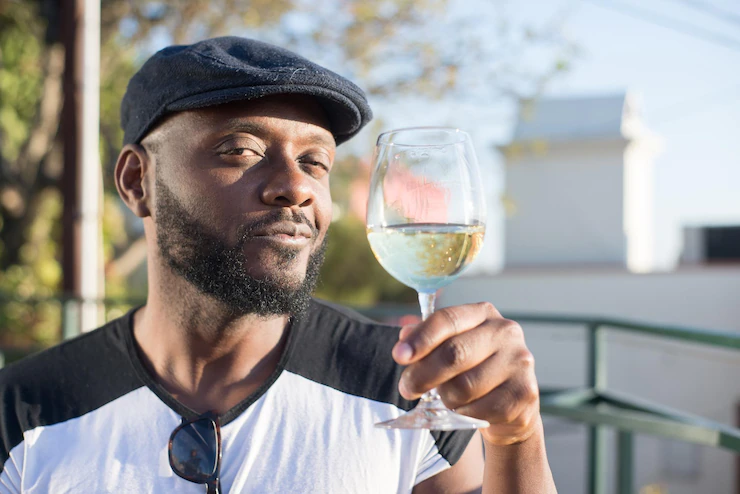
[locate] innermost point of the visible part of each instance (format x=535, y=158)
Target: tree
x=30, y=81
x=391, y=47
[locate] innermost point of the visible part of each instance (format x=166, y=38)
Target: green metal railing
x=601, y=408
x=594, y=404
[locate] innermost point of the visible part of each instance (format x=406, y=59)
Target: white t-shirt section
x=300, y=436
x=120, y=447
x=327, y=444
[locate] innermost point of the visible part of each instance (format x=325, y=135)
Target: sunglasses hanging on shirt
x=195, y=451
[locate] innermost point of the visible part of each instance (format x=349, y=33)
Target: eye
x=320, y=164
x=318, y=160
x=236, y=150
x=240, y=147
x=239, y=152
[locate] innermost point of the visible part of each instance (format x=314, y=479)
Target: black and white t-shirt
x=85, y=416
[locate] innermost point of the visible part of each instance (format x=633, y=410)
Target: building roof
x=573, y=118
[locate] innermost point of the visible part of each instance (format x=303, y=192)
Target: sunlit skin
x=231, y=170
x=228, y=166
x=231, y=165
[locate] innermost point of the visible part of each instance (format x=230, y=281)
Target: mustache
x=276, y=216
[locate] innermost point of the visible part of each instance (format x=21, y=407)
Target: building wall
x=693, y=378
x=639, y=200
x=568, y=205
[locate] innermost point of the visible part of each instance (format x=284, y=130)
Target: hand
x=480, y=365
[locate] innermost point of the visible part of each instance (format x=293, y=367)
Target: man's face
x=242, y=200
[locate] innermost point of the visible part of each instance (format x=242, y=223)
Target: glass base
x=432, y=415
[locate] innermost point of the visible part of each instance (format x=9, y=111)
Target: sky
x=688, y=84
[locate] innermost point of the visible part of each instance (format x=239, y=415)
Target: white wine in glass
x=425, y=224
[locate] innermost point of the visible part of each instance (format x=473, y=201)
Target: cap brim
x=344, y=115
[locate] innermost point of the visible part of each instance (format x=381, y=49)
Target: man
x=227, y=154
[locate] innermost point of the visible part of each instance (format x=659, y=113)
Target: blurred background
x=607, y=131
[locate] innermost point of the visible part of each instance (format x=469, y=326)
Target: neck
x=207, y=357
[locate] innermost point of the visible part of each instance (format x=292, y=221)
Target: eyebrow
x=238, y=125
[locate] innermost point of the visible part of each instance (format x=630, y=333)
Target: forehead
x=297, y=116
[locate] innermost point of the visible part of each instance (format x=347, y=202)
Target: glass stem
x=426, y=302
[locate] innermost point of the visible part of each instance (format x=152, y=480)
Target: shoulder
x=84, y=359
x=337, y=324
x=338, y=347
x=58, y=361
x=64, y=382
x=323, y=314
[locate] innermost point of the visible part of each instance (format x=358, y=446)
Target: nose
x=287, y=185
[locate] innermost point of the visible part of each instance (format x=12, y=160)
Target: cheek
x=218, y=200
x=324, y=209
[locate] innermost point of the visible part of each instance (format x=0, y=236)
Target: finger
x=419, y=341
x=451, y=358
x=516, y=421
x=508, y=405
x=406, y=330
x=475, y=383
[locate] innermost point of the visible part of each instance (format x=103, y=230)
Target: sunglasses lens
x=194, y=450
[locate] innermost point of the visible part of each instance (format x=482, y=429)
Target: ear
x=132, y=179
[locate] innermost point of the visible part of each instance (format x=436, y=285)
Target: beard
x=221, y=272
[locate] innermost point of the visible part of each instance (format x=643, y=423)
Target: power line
x=713, y=10
x=666, y=22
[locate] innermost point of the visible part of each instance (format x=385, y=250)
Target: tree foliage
x=30, y=84
x=391, y=47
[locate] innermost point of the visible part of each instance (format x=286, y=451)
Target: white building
x=579, y=177
x=578, y=241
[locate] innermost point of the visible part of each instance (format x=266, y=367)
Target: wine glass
x=425, y=224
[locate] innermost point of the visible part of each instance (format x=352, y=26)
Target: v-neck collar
x=134, y=354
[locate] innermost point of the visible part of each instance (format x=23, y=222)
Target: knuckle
x=525, y=359
x=422, y=341
x=452, y=318
x=512, y=328
x=461, y=390
x=454, y=353
x=488, y=307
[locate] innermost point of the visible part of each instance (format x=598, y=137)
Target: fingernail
x=403, y=351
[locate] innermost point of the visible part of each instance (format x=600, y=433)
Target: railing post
x=737, y=457
x=625, y=480
x=597, y=453
x=597, y=357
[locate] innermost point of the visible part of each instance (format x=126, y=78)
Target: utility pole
x=71, y=12
x=81, y=182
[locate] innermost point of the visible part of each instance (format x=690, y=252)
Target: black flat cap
x=227, y=69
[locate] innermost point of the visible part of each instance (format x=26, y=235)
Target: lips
x=284, y=229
